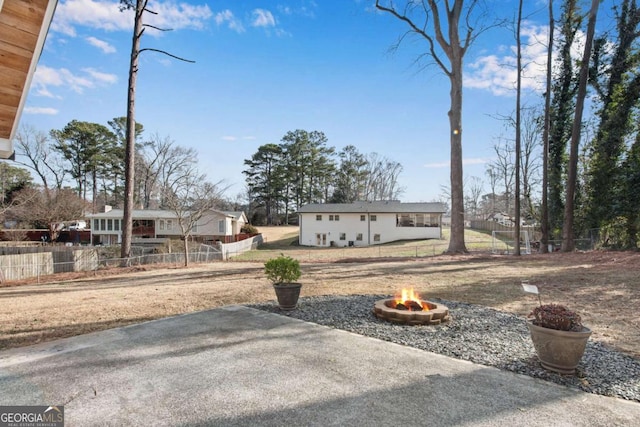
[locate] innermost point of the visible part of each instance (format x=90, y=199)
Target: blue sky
x=265, y=68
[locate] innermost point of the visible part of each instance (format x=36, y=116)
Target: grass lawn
x=604, y=287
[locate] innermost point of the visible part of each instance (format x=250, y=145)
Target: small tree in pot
x=283, y=272
x=558, y=337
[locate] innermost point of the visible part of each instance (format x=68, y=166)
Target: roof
x=137, y=214
x=373, y=207
x=237, y=215
x=24, y=25
x=146, y=214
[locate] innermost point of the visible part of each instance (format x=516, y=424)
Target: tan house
x=24, y=25
x=213, y=226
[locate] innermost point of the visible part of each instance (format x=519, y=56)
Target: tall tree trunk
x=516, y=236
x=94, y=191
x=456, y=241
x=129, y=169
x=568, y=238
x=544, y=241
x=186, y=251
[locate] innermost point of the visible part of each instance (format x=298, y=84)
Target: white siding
x=351, y=225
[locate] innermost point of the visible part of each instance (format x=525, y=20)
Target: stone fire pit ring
x=436, y=314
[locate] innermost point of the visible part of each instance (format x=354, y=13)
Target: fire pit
x=409, y=309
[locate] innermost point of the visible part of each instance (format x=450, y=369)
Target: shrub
x=282, y=269
x=249, y=229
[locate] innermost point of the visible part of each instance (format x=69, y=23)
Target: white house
x=368, y=223
x=106, y=227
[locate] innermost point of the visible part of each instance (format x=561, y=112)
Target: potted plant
x=558, y=337
x=283, y=272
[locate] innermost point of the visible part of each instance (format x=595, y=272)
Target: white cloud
x=101, y=44
x=106, y=15
x=101, y=77
x=497, y=73
x=45, y=77
x=263, y=18
x=41, y=110
x=226, y=16
x=178, y=16
x=306, y=9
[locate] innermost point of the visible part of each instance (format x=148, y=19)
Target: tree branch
x=167, y=53
x=157, y=28
x=417, y=30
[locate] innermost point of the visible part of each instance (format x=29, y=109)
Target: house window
x=330, y=217
x=96, y=224
x=363, y=217
x=405, y=220
x=337, y=217
x=374, y=217
x=103, y=224
x=110, y=224
x=221, y=226
x=343, y=236
x=432, y=220
x=318, y=217
x=376, y=237
x=161, y=225
x=359, y=237
x=169, y=224
x=116, y=224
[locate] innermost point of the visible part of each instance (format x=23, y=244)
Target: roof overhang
x=24, y=25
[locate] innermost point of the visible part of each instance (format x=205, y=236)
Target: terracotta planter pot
x=559, y=351
x=287, y=294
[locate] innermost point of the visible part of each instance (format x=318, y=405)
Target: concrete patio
x=236, y=366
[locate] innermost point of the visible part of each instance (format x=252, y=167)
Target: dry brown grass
x=602, y=286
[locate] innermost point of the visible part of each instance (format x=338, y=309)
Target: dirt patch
x=602, y=286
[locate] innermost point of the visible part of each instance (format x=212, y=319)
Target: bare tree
x=503, y=167
x=34, y=146
x=190, y=197
x=157, y=165
x=382, y=178
x=568, y=242
x=48, y=209
x=530, y=158
x=473, y=188
x=494, y=176
x=440, y=28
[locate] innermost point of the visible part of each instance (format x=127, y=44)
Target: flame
x=407, y=295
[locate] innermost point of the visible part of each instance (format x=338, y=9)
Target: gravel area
x=477, y=334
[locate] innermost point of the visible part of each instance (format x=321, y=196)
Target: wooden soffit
x=24, y=25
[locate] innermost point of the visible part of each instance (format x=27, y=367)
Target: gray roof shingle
x=373, y=207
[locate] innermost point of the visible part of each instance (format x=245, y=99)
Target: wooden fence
x=24, y=265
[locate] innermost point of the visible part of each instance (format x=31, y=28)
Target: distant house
x=368, y=223
x=503, y=219
x=106, y=227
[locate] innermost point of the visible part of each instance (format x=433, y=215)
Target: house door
x=321, y=239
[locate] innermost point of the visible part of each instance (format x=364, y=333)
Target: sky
x=263, y=68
